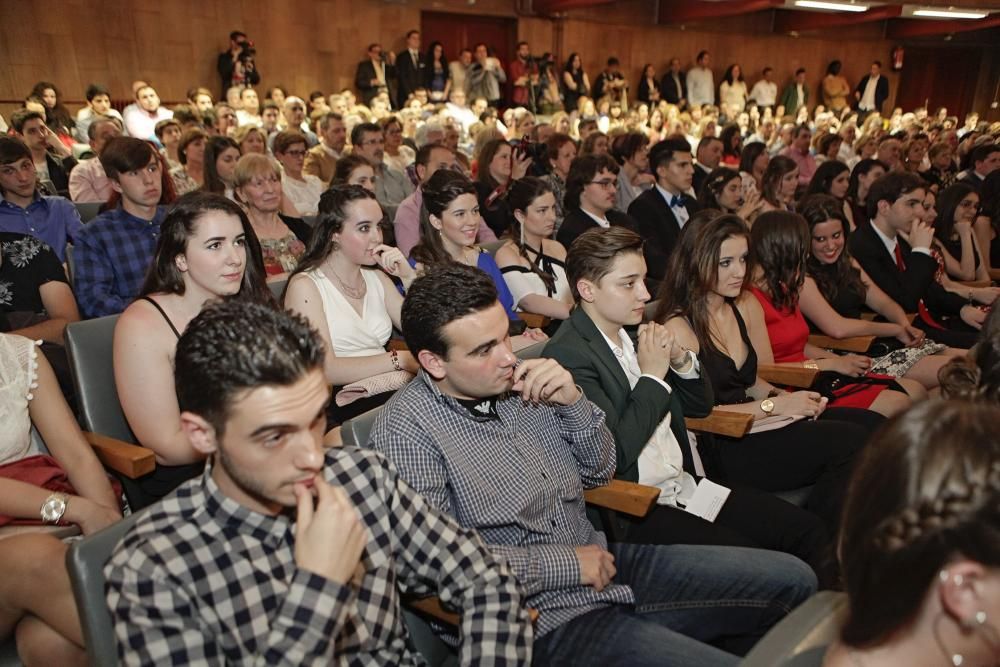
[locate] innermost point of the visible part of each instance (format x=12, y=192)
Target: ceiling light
x=831, y=6
x=949, y=14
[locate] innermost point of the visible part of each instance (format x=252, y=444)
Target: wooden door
x=939, y=78
x=459, y=31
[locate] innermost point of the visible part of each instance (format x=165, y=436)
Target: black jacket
x=671, y=91
x=576, y=222
x=409, y=76
x=364, y=76
x=659, y=229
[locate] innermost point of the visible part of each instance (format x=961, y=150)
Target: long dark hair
x=749, y=155
x=178, y=228
x=346, y=166
x=925, y=489
x=989, y=194
x=825, y=174
x=429, y=57
x=779, y=167
x=58, y=117
x=569, y=64
x=976, y=376
x=780, y=242
x=843, y=275
x=485, y=157
x=726, y=137
x=713, y=187
x=861, y=169
x=693, y=272
x=522, y=194
x=332, y=213
x=728, y=76
x=214, y=147
x=444, y=187
x=947, y=203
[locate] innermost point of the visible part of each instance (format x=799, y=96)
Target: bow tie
x=677, y=201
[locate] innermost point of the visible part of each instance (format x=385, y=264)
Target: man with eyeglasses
x=373, y=75
x=295, y=115
x=302, y=189
x=591, y=193
x=391, y=186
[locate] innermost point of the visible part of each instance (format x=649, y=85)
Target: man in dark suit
x=672, y=86
x=984, y=160
x=661, y=211
x=905, y=270
x=872, y=90
x=645, y=384
x=707, y=159
x=409, y=69
x=591, y=193
x=373, y=75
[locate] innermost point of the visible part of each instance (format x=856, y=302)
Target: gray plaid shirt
x=518, y=480
x=200, y=579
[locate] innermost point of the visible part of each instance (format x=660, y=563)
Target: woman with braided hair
x=920, y=542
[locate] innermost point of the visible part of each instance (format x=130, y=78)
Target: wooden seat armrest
x=397, y=344
x=791, y=376
x=722, y=422
x=870, y=317
x=974, y=283
x=130, y=460
x=431, y=606
x=622, y=496
x=535, y=321
x=858, y=344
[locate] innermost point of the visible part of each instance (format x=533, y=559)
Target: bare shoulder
x=554, y=249
x=508, y=255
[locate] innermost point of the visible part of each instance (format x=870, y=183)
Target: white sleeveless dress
x=354, y=335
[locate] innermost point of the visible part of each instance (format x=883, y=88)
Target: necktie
x=900, y=264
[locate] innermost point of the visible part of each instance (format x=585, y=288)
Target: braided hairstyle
x=926, y=489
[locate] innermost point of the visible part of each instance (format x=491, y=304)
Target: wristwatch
x=54, y=508
x=767, y=405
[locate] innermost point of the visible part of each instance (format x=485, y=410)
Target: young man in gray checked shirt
x=508, y=448
x=283, y=553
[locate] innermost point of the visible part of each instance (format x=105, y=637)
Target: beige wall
x=310, y=44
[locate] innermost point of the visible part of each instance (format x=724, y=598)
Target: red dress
x=789, y=334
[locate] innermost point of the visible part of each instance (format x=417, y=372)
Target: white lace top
x=18, y=364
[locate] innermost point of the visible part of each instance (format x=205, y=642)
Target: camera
x=247, y=50
x=538, y=152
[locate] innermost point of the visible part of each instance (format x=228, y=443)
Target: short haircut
x=22, y=116
x=628, y=144
x=877, y=63
x=445, y=293
x=423, y=157
x=164, y=124
x=184, y=114
x=555, y=143
x=359, y=131
x=701, y=54
x=663, y=152
x=96, y=123
x=411, y=33
x=270, y=104
x=252, y=165
x=327, y=118
x=583, y=170
x=125, y=154
x=286, y=139
x=801, y=70
x=233, y=347
x=768, y=69
x=891, y=187
x=236, y=34
x=613, y=61
x=982, y=152
x=593, y=253
x=95, y=90
x=190, y=136
x=12, y=150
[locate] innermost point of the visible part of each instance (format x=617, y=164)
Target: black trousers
x=818, y=453
x=749, y=518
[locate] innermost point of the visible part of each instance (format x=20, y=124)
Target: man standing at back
x=508, y=447
x=283, y=551
x=409, y=69
x=700, y=83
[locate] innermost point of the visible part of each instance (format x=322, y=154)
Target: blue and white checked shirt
x=112, y=255
x=518, y=480
x=54, y=220
x=202, y=580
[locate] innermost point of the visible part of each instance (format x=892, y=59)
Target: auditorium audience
x=754, y=159
x=87, y=181
x=391, y=186
x=918, y=545
x=23, y=207
x=799, y=153
x=942, y=171
x=836, y=290
x=249, y=111
x=251, y=139
x=294, y=112
x=168, y=133
x=833, y=178
x=322, y=158
x=723, y=191
x=57, y=117
x=532, y=263
x=52, y=160
x=591, y=192
x=778, y=185
x=500, y=166
x=863, y=174
x=984, y=159
x=397, y=155
x=142, y=117
x=255, y=408
x=342, y=286
x=957, y=209
x=779, y=333
x=733, y=89
x=283, y=238
x=303, y=190
x=221, y=155
x=98, y=105
x=708, y=156
x=206, y=251
x=560, y=152
x=190, y=175
x=66, y=486
x=354, y=170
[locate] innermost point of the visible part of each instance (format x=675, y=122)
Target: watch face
x=767, y=405
x=53, y=509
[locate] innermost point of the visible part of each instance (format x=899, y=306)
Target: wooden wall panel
x=310, y=44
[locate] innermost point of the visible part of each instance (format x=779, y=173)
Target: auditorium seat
x=88, y=210
x=802, y=637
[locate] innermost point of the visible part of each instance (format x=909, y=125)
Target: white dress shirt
x=680, y=212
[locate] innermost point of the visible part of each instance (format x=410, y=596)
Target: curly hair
x=817, y=209
x=780, y=242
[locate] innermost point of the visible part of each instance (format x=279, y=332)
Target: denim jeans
x=695, y=605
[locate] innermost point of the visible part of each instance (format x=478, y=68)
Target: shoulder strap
x=164, y=313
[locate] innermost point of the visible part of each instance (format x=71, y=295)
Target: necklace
x=356, y=293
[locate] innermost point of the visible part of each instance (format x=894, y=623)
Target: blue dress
x=488, y=264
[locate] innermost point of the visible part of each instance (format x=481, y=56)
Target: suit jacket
x=577, y=222
x=320, y=163
x=659, y=229
x=698, y=178
x=631, y=415
x=409, y=76
x=671, y=91
x=364, y=75
x=790, y=98
x=908, y=287
x=881, y=90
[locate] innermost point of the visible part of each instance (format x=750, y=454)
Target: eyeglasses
x=297, y=153
x=606, y=183
x=373, y=142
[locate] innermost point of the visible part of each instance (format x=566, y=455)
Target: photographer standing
x=238, y=66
